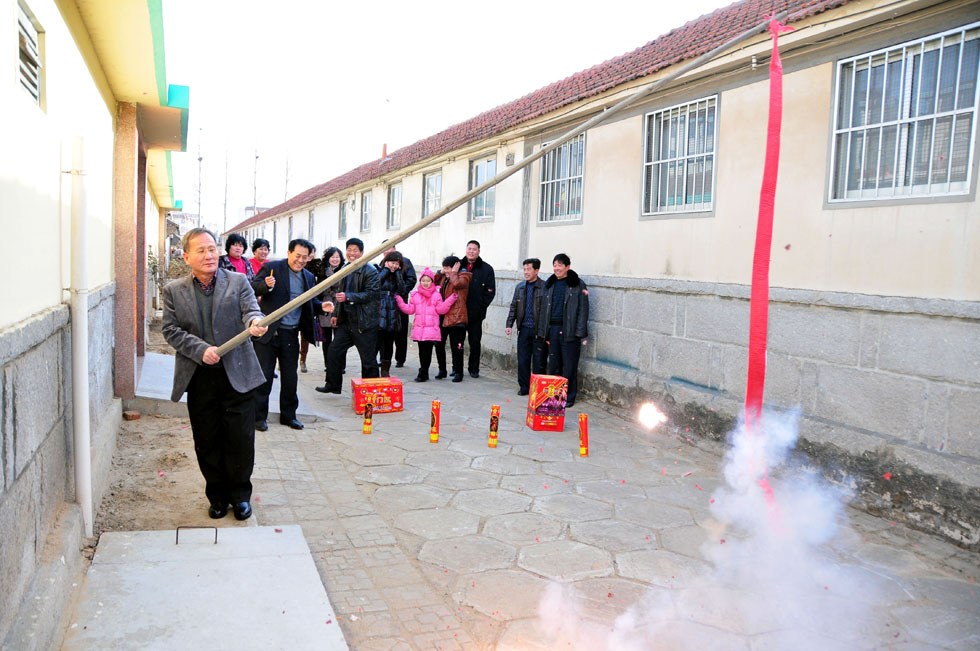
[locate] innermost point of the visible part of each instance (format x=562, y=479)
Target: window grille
x=905, y=119
x=561, y=182
x=432, y=189
x=30, y=54
x=342, y=220
x=394, y=206
x=481, y=171
x=365, y=211
x=679, y=158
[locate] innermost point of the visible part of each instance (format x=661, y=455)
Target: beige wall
x=34, y=194
x=924, y=249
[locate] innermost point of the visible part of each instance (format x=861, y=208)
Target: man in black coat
x=525, y=312
x=279, y=282
x=356, y=318
x=483, y=287
x=565, y=322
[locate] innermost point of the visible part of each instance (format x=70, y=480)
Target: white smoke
x=774, y=578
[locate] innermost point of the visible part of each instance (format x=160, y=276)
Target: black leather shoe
x=457, y=377
x=474, y=374
x=326, y=388
x=295, y=424
x=522, y=392
x=262, y=425
x=399, y=364
x=243, y=510
x=441, y=375
x=218, y=511
x=569, y=404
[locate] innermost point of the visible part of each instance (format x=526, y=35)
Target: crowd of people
x=368, y=309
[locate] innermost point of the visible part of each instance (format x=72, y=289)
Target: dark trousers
x=456, y=335
x=474, y=330
x=343, y=338
x=223, y=423
x=386, y=345
x=327, y=338
x=563, y=357
x=401, y=340
x=282, y=348
x=425, y=355
x=530, y=357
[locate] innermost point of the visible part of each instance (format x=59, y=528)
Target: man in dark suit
x=279, y=282
x=525, y=311
x=201, y=311
x=482, y=290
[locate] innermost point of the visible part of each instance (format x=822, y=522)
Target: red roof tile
x=686, y=42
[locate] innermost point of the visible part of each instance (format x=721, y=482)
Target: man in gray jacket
x=525, y=311
x=565, y=322
x=201, y=311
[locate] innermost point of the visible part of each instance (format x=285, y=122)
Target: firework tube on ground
x=368, y=414
x=583, y=435
x=434, y=422
x=494, y=423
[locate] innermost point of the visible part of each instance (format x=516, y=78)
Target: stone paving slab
x=455, y=545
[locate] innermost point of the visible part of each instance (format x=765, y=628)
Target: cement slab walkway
x=204, y=588
x=643, y=544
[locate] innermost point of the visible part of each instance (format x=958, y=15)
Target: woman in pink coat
x=426, y=304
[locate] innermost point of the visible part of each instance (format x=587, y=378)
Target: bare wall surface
x=887, y=388
x=40, y=520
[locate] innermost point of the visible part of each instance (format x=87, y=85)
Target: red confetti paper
x=887, y=476
x=688, y=473
x=278, y=530
x=698, y=487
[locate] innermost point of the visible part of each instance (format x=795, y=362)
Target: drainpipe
x=79, y=340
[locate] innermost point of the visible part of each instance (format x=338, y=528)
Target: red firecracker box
x=385, y=392
x=546, y=403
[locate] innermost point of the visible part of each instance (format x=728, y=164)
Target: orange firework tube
x=494, y=423
x=434, y=422
x=368, y=413
x=583, y=435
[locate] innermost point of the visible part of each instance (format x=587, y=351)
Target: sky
x=316, y=88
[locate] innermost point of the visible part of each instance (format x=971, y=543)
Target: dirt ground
x=154, y=481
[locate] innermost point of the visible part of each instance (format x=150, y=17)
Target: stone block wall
x=40, y=557
x=883, y=385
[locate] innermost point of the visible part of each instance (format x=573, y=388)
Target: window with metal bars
x=679, y=158
x=562, y=172
x=481, y=171
x=30, y=53
x=394, y=206
x=309, y=226
x=905, y=119
x=432, y=190
x=342, y=220
x=365, y=211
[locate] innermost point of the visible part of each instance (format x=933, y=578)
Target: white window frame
x=30, y=47
x=310, y=227
x=366, y=211
x=562, y=182
x=482, y=206
x=394, y=206
x=928, y=129
x=665, y=191
x=431, y=196
x=342, y=219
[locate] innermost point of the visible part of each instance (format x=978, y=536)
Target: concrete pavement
x=646, y=543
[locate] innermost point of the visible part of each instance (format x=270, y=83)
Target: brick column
x=141, y=255
x=124, y=207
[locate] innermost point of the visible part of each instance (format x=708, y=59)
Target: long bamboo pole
x=626, y=102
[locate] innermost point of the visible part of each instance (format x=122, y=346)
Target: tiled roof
x=687, y=42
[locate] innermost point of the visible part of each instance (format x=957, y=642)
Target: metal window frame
x=394, y=207
x=910, y=124
x=436, y=204
x=342, y=219
x=659, y=127
x=488, y=196
x=30, y=64
x=366, y=211
x=562, y=182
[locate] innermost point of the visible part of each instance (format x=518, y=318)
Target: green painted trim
x=155, y=9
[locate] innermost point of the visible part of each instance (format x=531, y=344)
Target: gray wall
x=883, y=384
x=41, y=524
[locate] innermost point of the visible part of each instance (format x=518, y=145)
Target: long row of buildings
x=875, y=315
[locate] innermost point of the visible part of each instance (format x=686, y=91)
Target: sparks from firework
x=650, y=416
